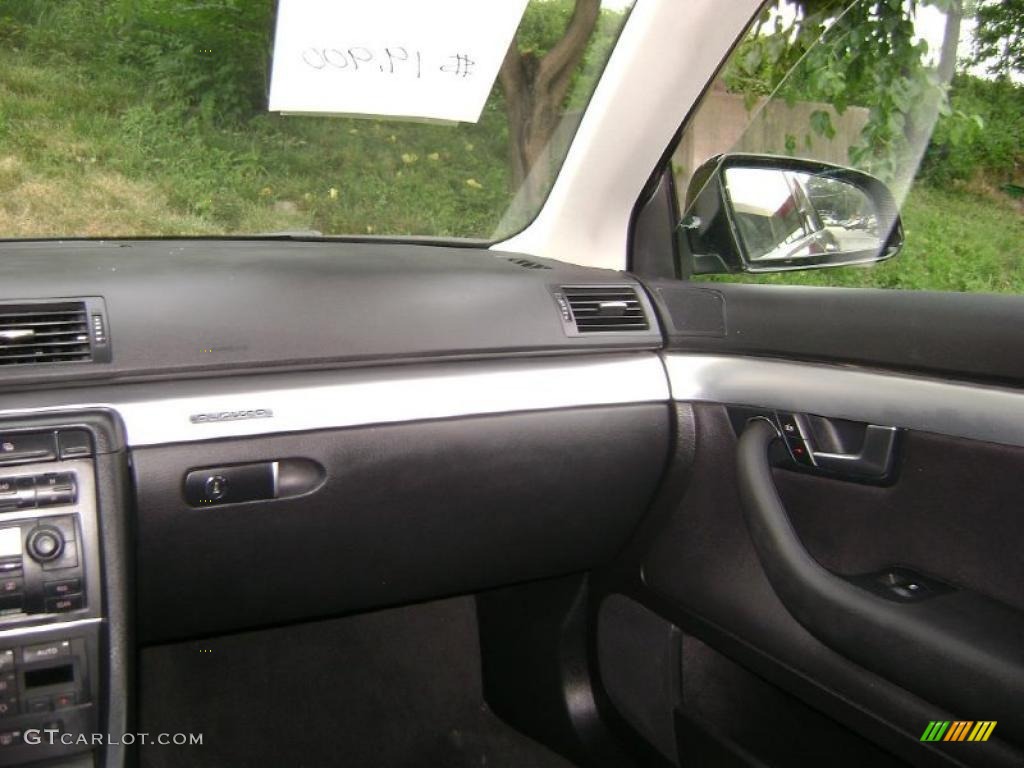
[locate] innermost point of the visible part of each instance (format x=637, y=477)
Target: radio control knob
x=45, y=544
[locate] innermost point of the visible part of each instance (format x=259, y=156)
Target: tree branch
x=556, y=67
x=512, y=74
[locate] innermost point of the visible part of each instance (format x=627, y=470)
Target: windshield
x=134, y=118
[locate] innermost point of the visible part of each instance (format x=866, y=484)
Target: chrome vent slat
x=47, y=332
x=37, y=313
x=41, y=324
x=70, y=332
x=42, y=344
x=606, y=309
x=44, y=358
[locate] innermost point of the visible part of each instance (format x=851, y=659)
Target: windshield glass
x=151, y=118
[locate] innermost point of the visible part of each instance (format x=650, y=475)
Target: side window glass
x=927, y=96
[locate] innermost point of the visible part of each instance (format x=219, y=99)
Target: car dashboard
x=199, y=437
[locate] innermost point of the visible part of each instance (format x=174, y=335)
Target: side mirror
x=761, y=213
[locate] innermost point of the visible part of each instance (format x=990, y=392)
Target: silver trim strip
x=158, y=413
x=973, y=411
x=17, y=633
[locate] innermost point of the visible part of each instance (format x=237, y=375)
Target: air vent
x=603, y=309
x=527, y=263
x=52, y=332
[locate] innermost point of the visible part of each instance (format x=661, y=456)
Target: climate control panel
x=41, y=566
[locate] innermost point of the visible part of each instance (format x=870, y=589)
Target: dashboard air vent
x=527, y=263
x=601, y=309
x=49, y=332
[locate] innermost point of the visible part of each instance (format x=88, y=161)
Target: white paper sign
x=432, y=59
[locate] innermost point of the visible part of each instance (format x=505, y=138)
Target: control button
x=53, y=497
x=6, y=659
x=74, y=444
x=45, y=543
x=8, y=684
x=26, y=492
x=21, y=448
x=65, y=524
x=39, y=705
x=798, y=449
x=62, y=700
x=64, y=604
x=9, y=565
x=10, y=586
x=68, y=558
x=62, y=588
x=17, y=493
x=33, y=653
x=10, y=738
x=56, y=480
x=55, y=488
x=789, y=426
x=8, y=706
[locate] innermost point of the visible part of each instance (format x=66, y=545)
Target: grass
x=957, y=239
x=90, y=155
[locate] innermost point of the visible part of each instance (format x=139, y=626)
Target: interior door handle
x=874, y=459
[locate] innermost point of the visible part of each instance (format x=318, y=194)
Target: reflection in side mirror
x=756, y=213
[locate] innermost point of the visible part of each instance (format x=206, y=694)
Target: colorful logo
x=958, y=730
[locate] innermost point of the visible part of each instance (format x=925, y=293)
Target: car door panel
x=948, y=513
x=701, y=573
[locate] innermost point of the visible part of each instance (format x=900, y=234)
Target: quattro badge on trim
x=252, y=413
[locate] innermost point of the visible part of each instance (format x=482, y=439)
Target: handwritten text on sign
x=432, y=59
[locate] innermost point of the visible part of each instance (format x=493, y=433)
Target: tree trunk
x=950, y=42
x=535, y=89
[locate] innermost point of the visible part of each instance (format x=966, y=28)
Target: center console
x=57, y=688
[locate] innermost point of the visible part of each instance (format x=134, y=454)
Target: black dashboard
x=277, y=431
x=200, y=307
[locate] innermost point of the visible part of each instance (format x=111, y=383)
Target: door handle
x=873, y=461
x=827, y=445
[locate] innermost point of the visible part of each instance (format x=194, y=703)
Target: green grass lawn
x=94, y=155
x=955, y=241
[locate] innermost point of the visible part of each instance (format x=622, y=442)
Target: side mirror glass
x=759, y=213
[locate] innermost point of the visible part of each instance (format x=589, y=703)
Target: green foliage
x=999, y=36
x=213, y=55
x=861, y=55
x=982, y=135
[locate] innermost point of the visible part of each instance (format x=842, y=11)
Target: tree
x=863, y=54
x=999, y=37
x=950, y=41
x=535, y=87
